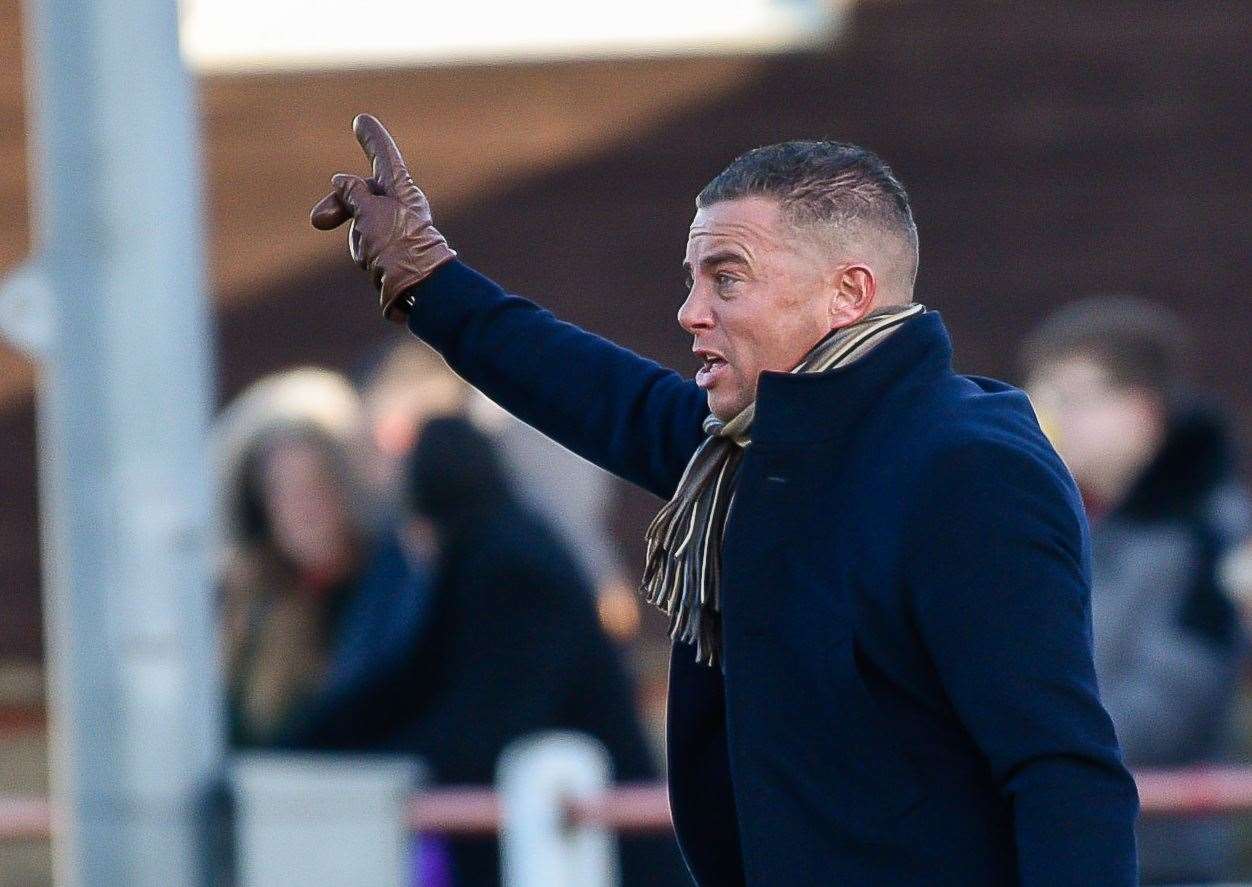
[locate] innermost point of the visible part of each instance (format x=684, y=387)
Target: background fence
x=322, y=821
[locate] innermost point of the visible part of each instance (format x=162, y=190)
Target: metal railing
x=641, y=808
x=552, y=806
x=644, y=808
x=25, y=818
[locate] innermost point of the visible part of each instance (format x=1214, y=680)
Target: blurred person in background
x=318, y=597
x=1155, y=470
x=514, y=645
x=410, y=383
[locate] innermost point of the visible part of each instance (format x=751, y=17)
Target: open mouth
x=709, y=371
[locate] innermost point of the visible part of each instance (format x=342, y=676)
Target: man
x=1155, y=470
x=876, y=570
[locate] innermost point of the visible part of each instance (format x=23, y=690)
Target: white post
x=124, y=341
x=536, y=776
x=322, y=820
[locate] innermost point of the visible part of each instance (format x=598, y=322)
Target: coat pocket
x=882, y=782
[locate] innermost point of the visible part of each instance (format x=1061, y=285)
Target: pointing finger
x=387, y=165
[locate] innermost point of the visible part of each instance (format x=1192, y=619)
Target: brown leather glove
x=392, y=235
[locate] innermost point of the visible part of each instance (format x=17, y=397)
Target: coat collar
x=800, y=408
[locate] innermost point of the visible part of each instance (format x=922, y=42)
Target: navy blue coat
x=908, y=695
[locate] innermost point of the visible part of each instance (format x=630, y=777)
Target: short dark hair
x=454, y=470
x=1140, y=343
x=819, y=181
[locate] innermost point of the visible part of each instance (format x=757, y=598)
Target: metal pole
x=124, y=343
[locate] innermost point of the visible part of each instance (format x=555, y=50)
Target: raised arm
x=1001, y=599
x=626, y=414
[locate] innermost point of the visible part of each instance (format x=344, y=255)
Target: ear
x=853, y=291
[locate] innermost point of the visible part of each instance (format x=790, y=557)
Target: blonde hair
x=275, y=641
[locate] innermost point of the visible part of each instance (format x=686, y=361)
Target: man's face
x=1105, y=432
x=757, y=298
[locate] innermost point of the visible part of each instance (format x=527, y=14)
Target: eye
x=724, y=280
x=688, y=282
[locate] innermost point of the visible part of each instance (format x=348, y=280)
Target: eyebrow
x=716, y=259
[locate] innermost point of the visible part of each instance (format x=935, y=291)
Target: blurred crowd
x=406, y=569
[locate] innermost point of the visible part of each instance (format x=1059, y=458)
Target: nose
x=694, y=313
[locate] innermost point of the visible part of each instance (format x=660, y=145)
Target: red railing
x=1195, y=792
x=644, y=808
x=627, y=809
x=24, y=819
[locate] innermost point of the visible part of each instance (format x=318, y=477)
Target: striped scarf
x=683, y=561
